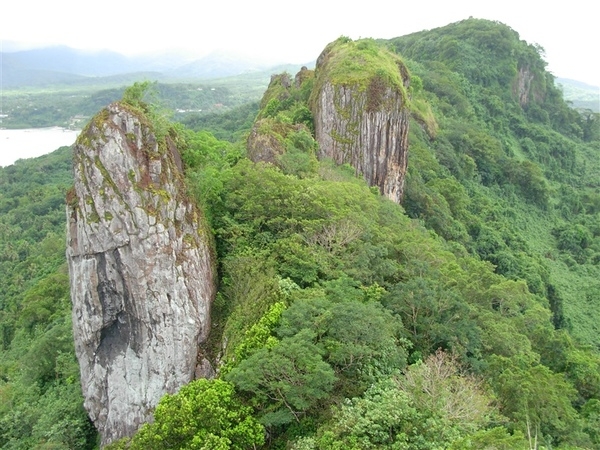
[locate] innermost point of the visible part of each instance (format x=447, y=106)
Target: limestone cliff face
x=361, y=117
x=141, y=271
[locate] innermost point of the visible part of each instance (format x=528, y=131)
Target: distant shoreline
x=25, y=143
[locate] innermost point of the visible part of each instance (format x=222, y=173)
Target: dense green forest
x=466, y=318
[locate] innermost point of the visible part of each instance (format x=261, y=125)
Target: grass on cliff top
x=357, y=62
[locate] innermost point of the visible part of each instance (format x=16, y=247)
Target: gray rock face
x=364, y=124
x=525, y=88
x=374, y=142
x=141, y=272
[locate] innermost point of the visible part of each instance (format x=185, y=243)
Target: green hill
x=508, y=137
x=580, y=95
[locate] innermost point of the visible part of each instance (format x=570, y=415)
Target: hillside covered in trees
x=467, y=317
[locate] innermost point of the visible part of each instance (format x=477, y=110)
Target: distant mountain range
x=581, y=95
x=64, y=65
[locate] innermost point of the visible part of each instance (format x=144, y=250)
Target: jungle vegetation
x=465, y=318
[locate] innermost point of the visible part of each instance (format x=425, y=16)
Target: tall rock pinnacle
x=361, y=112
x=141, y=271
x=356, y=105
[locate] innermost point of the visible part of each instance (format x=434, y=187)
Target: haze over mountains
x=62, y=64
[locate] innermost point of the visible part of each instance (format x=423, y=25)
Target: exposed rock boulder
x=268, y=141
x=263, y=145
x=283, y=114
x=141, y=271
x=302, y=76
x=360, y=110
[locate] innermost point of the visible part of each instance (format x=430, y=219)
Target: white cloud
x=295, y=31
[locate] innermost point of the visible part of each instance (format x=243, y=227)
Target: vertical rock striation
x=361, y=114
x=355, y=101
x=141, y=271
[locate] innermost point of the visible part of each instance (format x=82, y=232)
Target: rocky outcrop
x=522, y=85
x=263, y=146
x=361, y=117
x=141, y=271
x=526, y=88
x=267, y=141
x=356, y=103
x=282, y=114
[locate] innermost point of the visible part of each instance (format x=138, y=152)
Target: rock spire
x=141, y=271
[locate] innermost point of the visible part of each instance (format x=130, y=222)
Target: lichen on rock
x=141, y=271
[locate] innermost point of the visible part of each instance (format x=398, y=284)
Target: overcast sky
x=295, y=31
